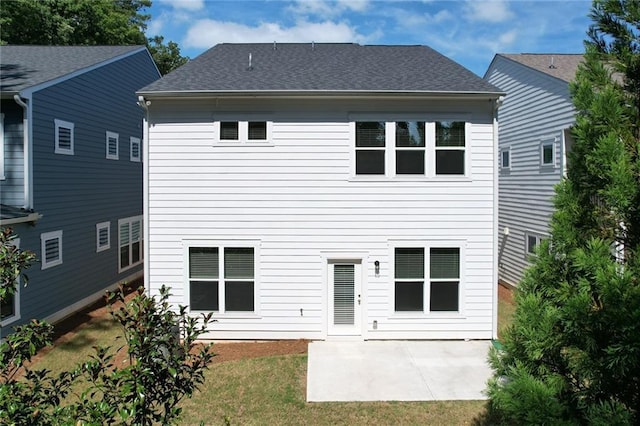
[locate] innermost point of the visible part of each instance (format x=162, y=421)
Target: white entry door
x=345, y=298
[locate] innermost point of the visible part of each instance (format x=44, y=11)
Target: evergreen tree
x=572, y=355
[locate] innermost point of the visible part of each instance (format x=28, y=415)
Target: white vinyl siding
x=536, y=109
x=112, y=145
x=299, y=198
x=134, y=149
x=51, y=249
x=103, y=236
x=64, y=137
x=130, y=242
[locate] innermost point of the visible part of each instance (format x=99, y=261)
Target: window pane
x=135, y=252
x=135, y=230
x=506, y=159
x=124, y=256
x=369, y=162
x=257, y=130
x=445, y=263
x=449, y=162
x=229, y=130
x=203, y=296
x=444, y=296
x=238, y=296
x=410, y=133
x=7, y=307
x=450, y=133
x=409, y=263
x=124, y=233
x=409, y=296
x=238, y=262
x=531, y=244
x=410, y=162
x=203, y=262
x=370, y=133
x=547, y=154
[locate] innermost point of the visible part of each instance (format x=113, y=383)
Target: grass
x=272, y=390
x=505, y=316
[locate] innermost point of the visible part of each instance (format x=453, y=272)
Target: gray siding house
x=534, y=138
x=324, y=191
x=71, y=171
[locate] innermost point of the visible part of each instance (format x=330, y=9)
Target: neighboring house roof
x=319, y=67
x=559, y=65
x=23, y=67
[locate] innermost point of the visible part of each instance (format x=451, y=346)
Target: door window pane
x=343, y=294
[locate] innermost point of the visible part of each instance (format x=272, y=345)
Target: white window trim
x=430, y=148
x=427, y=245
x=2, y=175
x=130, y=220
x=243, y=132
x=221, y=245
x=100, y=226
x=505, y=150
x=16, y=297
x=43, y=255
x=548, y=142
x=66, y=125
x=132, y=142
x=117, y=138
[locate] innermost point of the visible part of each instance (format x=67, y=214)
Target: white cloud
x=207, y=32
x=507, y=38
x=191, y=5
x=328, y=8
x=488, y=11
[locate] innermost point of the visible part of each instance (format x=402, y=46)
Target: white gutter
x=144, y=104
x=27, y=147
x=496, y=153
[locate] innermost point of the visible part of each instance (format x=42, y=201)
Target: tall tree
x=85, y=22
x=572, y=355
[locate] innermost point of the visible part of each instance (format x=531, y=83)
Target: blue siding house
x=71, y=171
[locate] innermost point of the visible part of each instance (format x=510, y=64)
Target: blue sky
x=470, y=32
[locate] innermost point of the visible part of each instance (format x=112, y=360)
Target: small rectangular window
x=450, y=147
x=229, y=131
x=134, y=149
x=130, y=242
x=257, y=130
x=409, y=279
x=410, y=147
x=444, y=275
x=547, y=154
x=103, y=236
x=112, y=145
x=505, y=158
x=51, y=249
x=64, y=137
x=370, y=148
x=531, y=241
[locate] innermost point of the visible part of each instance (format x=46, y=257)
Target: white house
x=535, y=136
x=324, y=190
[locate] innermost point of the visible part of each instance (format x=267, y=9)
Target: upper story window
x=112, y=145
x=63, y=137
x=450, y=146
x=547, y=153
x=410, y=148
x=135, y=153
x=242, y=131
x=51, y=248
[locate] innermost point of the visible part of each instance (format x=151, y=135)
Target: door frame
x=359, y=260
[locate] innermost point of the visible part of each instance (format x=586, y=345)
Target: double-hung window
x=450, y=147
x=51, y=249
x=130, y=242
x=229, y=131
x=222, y=279
x=63, y=137
x=112, y=143
x=370, y=147
x=410, y=147
x=426, y=279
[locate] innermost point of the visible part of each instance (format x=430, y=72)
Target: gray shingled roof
x=22, y=67
x=562, y=66
x=319, y=67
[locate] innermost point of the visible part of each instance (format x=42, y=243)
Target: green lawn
x=272, y=390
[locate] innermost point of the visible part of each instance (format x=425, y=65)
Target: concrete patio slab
x=397, y=370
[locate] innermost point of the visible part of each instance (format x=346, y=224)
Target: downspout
x=496, y=153
x=28, y=162
x=144, y=104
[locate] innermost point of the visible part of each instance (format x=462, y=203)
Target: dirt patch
x=505, y=293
